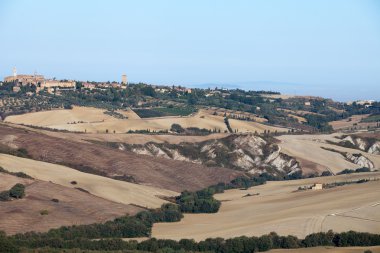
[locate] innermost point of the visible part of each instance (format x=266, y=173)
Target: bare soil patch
x=113, y=190
x=73, y=208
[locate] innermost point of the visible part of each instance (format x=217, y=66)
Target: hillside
x=71, y=207
x=113, y=190
x=280, y=207
x=113, y=163
x=94, y=120
x=250, y=153
x=322, y=152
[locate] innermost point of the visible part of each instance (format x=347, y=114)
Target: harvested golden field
x=144, y=138
x=110, y=189
x=298, y=112
x=248, y=126
x=307, y=148
x=233, y=113
x=374, y=249
x=93, y=120
x=352, y=122
x=298, y=118
x=71, y=207
x=7, y=181
x=279, y=208
x=87, y=115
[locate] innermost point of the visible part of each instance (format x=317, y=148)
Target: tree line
x=242, y=244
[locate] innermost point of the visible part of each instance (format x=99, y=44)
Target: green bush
x=4, y=196
x=17, y=191
x=177, y=128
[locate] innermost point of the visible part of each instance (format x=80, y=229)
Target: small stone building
x=317, y=186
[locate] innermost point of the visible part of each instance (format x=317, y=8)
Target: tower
x=124, y=79
x=14, y=71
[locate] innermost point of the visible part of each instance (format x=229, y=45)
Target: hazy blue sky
x=329, y=48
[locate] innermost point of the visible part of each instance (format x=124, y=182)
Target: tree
x=17, y=191
x=177, y=128
x=6, y=245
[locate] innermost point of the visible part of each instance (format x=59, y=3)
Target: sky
x=320, y=47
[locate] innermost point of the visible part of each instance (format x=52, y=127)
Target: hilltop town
x=306, y=113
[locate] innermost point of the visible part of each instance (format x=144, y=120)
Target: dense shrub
x=349, y=171
x=17, y=191
x=242, y=244
x=203, y=201
x=326, y=173
x=177, y=128
x=6, y=245
x=4, y=196
x=198, y=202
x=17, y=174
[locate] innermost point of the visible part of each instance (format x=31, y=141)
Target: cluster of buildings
x=52, y=85
x=366, y=103
x=39, y=81
x=165, y=89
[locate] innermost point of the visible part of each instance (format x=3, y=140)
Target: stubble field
x=279, y=208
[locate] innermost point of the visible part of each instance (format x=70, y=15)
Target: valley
x=233, y=166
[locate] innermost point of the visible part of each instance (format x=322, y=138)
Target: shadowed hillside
x=106, y=161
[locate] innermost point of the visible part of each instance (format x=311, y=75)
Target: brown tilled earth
x=375, y=135
x=158, y=172
x=74, y=207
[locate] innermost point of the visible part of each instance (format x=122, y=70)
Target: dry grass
x=298, y=112
x=298, y=118
x=93, y=120
x=232, y=113
x=73, y=207
x=278, y=208
x=110, y=189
